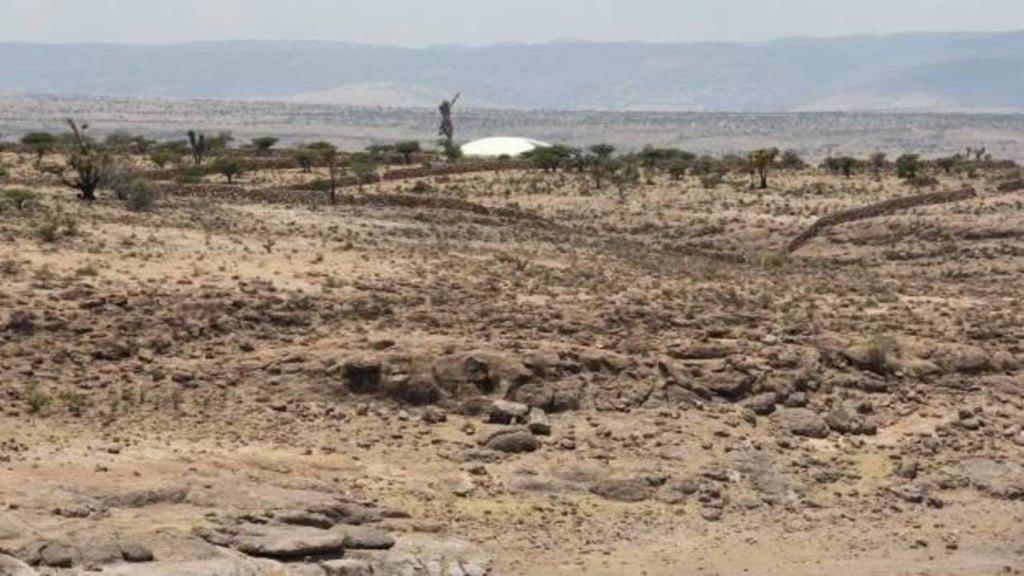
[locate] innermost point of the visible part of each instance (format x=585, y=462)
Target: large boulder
x=624, y=489
x=10, y=566
x=804, y=422
x=479, y=372
x=510, y=440
x=363, y=376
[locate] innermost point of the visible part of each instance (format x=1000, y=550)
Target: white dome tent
x=501, y=146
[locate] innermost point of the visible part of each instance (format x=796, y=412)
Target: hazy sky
x=424, y=22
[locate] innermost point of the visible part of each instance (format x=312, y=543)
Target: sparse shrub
x=56, y=225
x=422, y=187
x=320, y=185
x=21, y=199
x=48, y=231
x=191, y=175
x=677, y=170
x=123, y=142
x=407, y=149
x=162, y=157
x=923, y=182
x=791, y=160
x=548, y=159
x=142, y=196
x=39, y=143
x=711, y=180
x=877, y=161
x=76, y=402
x=37, y=399
x=10, y=267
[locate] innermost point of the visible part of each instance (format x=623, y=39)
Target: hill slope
x=919, y=71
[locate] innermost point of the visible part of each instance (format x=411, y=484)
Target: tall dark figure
x=447, y=126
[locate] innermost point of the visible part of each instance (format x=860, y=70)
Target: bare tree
x=87, y=164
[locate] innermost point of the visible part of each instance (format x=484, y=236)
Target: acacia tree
x=761, y=162
x=230, y=167
x=329, y=156
x=305, y=157
x=264, y=143
x=907, y=166
x=600, y=161
x=87, y=164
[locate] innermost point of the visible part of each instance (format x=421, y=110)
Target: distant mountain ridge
x=943, y=72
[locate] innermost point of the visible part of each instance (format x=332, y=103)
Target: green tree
x=40, y=143
x=549, y=158
x=230, y=166
x=306, y=157
x=264, y=143
x=329, y=155
x=908, y=166
x=844, y=165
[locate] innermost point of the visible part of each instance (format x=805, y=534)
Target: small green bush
x=421, y=187
x=320, y=185
x=21, y=199
x=142, y=196
x=191, y=175
x=37, y=399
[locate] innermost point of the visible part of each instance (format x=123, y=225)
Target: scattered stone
x=434, y=415
x=762, y=404
x=907, y=469
x=538, y=422
x=844, y=421
x=136, y=552
x=711, y=513
x=796, y=400
x=624, y=489
x=511, y=440
x=348, y=567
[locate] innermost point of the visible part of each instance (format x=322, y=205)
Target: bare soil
x=228, y=383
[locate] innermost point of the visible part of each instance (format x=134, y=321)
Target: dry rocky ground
x=529, y=377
